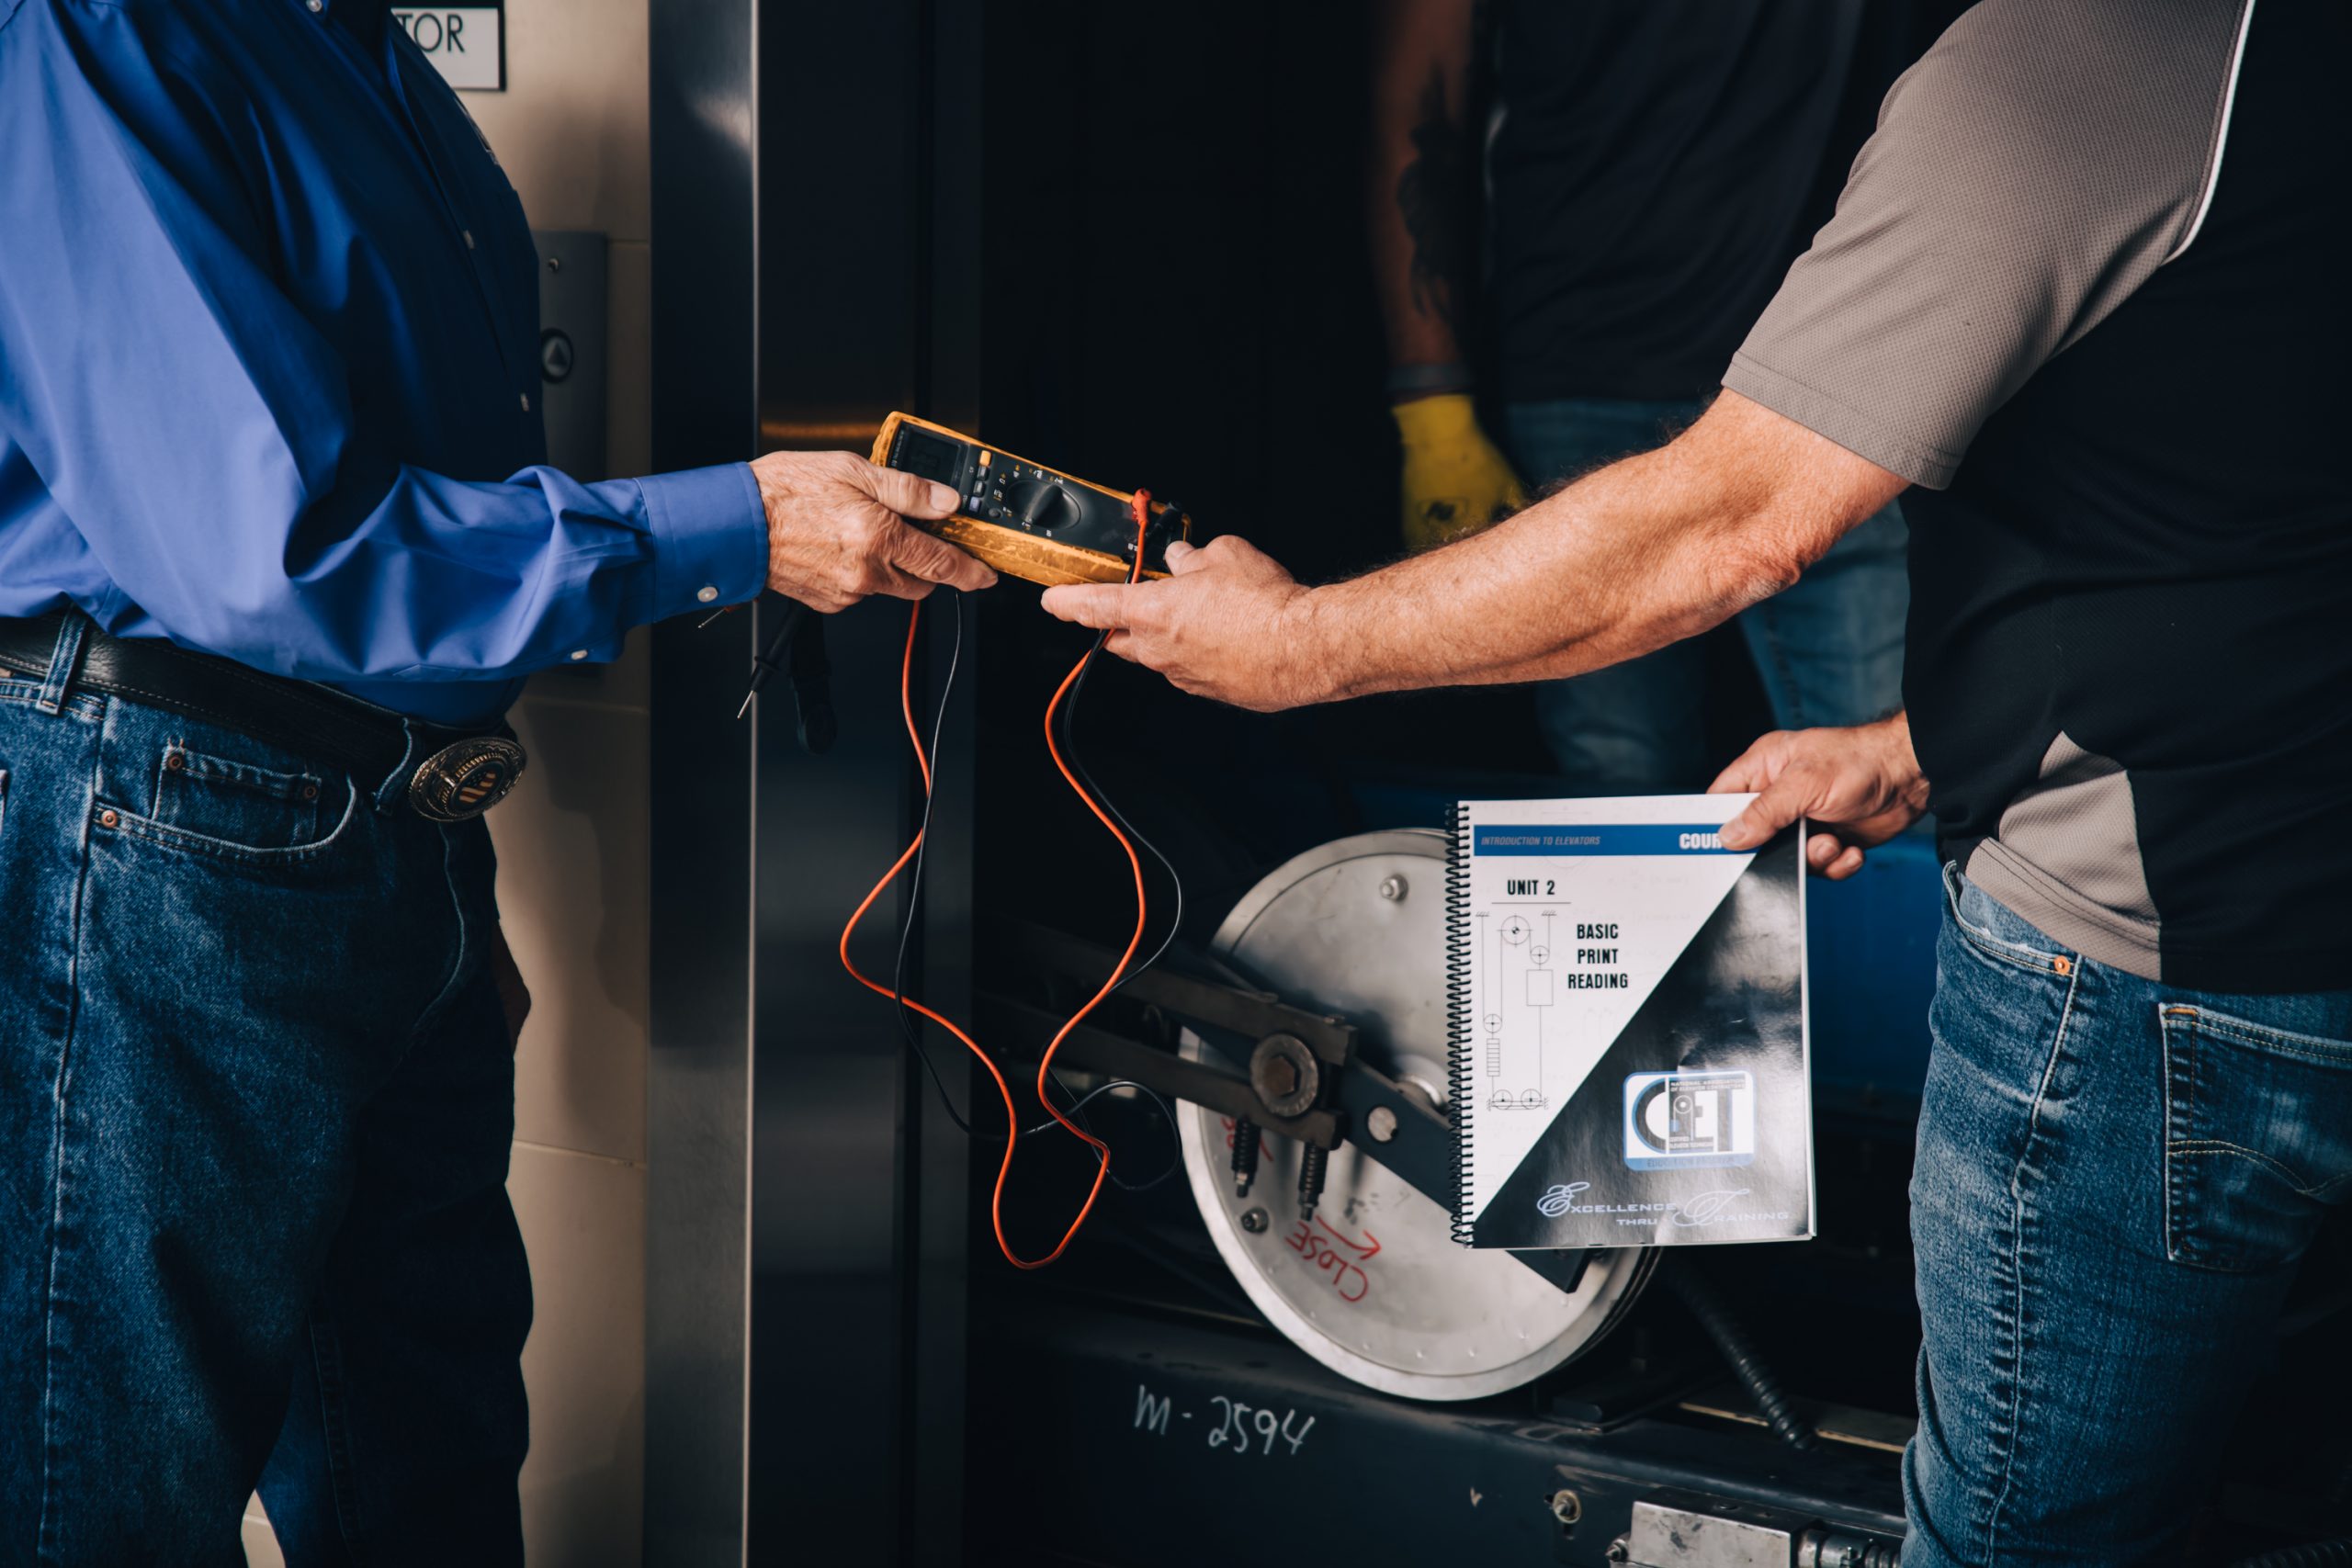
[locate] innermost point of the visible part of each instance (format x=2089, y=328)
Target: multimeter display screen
x=920, y=452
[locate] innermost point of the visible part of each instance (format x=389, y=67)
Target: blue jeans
x=256, y=1102
x=2116, y=1180
x=1829, y=650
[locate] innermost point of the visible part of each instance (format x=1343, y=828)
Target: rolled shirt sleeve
x=2034, y=168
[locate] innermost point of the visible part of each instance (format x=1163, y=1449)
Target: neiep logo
x=1706, y=1118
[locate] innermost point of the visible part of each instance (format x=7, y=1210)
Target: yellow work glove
x=1455, y=481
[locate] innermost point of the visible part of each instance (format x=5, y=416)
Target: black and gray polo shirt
x=2087, y=283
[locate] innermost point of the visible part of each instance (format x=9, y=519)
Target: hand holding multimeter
x=841, y=529
x=1024, y=519
x=1009, y=513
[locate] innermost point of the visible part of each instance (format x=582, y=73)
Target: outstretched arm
x=1642, y=553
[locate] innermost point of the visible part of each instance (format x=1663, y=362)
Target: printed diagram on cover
x=1518, y=983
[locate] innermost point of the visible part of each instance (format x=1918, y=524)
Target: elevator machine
x=1126, y=241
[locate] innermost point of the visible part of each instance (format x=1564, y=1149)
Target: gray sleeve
x=2033, y=169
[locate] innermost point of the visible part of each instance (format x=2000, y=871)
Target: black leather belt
x=459, y=774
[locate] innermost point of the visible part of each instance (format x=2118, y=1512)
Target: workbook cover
x=1627, y=1004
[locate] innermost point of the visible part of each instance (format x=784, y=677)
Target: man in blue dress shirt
x=276, y=550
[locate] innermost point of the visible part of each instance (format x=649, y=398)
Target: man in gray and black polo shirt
x=2085, y=291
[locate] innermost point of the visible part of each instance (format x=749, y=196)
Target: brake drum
x=1375, y=1287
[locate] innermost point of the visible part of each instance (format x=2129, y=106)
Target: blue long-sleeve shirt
x=269, y=378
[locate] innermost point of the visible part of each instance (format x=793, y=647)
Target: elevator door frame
x=805, y=1350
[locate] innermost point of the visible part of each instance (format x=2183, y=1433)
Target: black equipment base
x=1117, y=1438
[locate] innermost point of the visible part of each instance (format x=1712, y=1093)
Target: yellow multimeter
x=1024, y=519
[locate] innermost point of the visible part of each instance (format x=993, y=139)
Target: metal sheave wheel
x=1374, y=1286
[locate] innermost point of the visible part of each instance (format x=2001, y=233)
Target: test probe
x=1047, y=526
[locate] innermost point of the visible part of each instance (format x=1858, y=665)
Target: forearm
x=1646, y=551
x=1600, y=573
x=1421, y=175
x=1641, y=554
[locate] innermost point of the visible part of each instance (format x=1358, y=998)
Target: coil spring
x=1246, y=1134
x=1461, y=1085
x=1731, y=1337
x=1837, y=1548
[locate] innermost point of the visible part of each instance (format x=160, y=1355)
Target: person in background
x=1651, y=168
x=277, y=547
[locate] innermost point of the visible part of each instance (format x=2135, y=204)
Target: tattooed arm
x=1424, y=181
x=1423, y=175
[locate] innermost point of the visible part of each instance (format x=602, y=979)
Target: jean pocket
x=2257, y=1138
x=239, y=812
x=1979, y=930
x=235, y=802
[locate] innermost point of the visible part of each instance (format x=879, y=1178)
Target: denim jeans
x=2116, y=1180
x=1829, y=650
x=255, y=1101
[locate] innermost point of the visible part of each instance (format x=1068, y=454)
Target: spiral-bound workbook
x=1627, y=1008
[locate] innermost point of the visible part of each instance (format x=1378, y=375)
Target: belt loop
x=64, y=663
x=392, y=794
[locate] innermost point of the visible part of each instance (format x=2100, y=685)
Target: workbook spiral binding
x=1460, y=1084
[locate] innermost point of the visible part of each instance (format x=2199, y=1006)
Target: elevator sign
x=468, y=43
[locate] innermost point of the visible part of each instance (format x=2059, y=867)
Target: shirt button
x=317, y=6
x=470, y=239
x=526, y=402
x=707, y=595
x=579, y=653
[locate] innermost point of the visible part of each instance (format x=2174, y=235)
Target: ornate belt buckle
x=460, y=782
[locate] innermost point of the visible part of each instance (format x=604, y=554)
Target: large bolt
x=1285, y=1075
x=1253, y=1221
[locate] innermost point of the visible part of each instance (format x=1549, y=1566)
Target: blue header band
x=1603, y=839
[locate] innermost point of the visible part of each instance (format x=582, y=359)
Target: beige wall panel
x=570, y=126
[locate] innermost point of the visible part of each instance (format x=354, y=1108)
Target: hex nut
x=1285, y=1075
